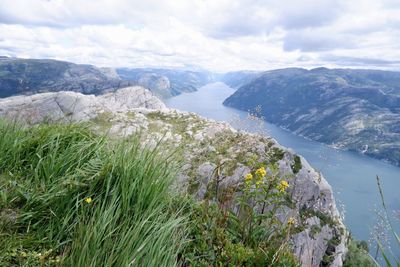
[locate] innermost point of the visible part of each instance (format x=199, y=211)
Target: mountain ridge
x=29, y=76
x=358, y=110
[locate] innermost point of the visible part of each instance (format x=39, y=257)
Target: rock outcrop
x=320, y=239
x=74, y=106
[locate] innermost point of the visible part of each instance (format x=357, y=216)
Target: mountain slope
x=166, y=82
x=236, y=79
x=205, y=145
x=352, y=109
x=28, y=76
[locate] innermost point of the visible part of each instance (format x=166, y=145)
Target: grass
x=48, y=171
x=388, y=256
x=70, y=197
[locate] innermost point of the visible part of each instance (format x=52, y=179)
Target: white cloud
x=219, y=35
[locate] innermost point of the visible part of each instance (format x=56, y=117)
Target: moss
x=324, y=218
x=296, y=166
x=179, y=124
x=334, y=241
x=131, y=115
x=315, y=229
x=103, y=120
x=298, y=229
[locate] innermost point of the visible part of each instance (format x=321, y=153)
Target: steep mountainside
x=351, y=109
x=28, y=76
x=319, y=236
x=167, y=82
x=236, y=79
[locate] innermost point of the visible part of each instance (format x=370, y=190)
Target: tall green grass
x=47, y=172
x=388, y=256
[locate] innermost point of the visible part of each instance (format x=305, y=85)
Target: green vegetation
x=325, y=219
x=358, y=255
x=296, y=166
x=69, y=197
x=244, y=230
x=277, y=155
x=389, y=257
x=103, y=120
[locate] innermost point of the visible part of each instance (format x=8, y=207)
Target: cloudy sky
x=219, y=35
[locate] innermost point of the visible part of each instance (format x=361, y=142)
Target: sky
x=218, y=35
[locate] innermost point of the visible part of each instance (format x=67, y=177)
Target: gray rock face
x=206, y=144
x=357, y=110
x=76, y=106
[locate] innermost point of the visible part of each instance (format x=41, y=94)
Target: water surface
x=351, y=175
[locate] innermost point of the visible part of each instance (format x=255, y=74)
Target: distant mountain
x=357, y=110
x=28, y=76
x=167, y=82
x=236, y=79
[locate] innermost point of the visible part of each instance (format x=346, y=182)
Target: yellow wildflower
x=41, y=257
x=283, y=185
x=248, y=177
x=291, y=221
x=88, y=200
x=261, y=172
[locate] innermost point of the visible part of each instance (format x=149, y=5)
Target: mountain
x=236, y=79
x=167, y=82
x=207, y=148
x=358, y=110
x=29, y=76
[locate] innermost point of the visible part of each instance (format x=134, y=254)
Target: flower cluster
x=261, y=172
x=291, y=221
x=248, y=177
x=283, y=185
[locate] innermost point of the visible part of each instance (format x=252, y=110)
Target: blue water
x=351, y=175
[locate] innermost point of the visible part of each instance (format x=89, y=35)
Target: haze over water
x=351, y=175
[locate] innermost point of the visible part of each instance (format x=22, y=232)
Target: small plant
x=242, y=230
x=296, y=166
x=358, y=255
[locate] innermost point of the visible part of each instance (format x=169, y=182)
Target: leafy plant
x=242, y=230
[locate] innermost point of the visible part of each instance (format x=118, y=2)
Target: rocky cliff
x=29, y=76
x=320, y=237
x=167, y=82
x=357, y=110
